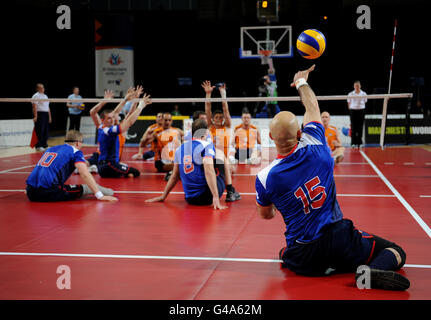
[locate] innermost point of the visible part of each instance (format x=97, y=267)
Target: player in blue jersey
x=300, y=185
x=46, y=182
x=108, y=136
x=202, y=179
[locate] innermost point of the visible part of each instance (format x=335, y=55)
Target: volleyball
x=311, y=44
x=82, y=106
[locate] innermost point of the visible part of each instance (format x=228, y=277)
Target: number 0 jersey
x=301, y=186
x=189, y=157
x=55, y=166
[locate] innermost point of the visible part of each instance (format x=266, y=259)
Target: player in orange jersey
x=332, y=138
x=167, y=139
x=247, y=141
x=219, y=124
x=147, y=138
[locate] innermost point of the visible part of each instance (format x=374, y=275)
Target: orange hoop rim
x=265, y=53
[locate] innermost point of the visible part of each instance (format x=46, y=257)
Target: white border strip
x=232, y=99
x=241, y=193
x=409, y=208
x=129, y=256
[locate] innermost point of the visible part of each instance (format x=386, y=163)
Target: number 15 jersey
x=301, y=186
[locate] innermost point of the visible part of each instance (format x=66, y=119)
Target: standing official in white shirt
x=357, y=113
x=41, y=117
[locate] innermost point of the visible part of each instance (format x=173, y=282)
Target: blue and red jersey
x=301, y=186
x=55, y=166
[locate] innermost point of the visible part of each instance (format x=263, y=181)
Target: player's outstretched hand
x=139, y=90
x=207, y=86
x=147, y=99
x=156, y=199
x=302, y=74
x=217, y=205
x=109, y=94
x=109, y=198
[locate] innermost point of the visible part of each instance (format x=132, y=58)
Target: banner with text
x=114, y=70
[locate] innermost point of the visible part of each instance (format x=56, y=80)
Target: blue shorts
x=341, y=248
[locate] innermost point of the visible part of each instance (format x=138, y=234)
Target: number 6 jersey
x=301, y=186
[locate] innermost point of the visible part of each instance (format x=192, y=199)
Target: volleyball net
x=19, y=132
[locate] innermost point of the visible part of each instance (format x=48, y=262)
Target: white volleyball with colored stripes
x=311, y=44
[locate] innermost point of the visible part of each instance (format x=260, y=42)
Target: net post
x=383, y=125
x=408, y=109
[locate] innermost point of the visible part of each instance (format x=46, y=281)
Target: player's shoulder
x=333, y=128
x=238, y=127
x=265, y=173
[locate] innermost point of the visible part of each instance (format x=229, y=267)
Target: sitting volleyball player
x=332, y=138
x=109, y=143
x=300, y=184
x=202, y=178
x=246, y=141
x=46, y=181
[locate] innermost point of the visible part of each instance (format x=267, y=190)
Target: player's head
x=326, y=117
x=75, y=91
x=218, y=117
x=246, y=117
x=159, y=118
x=40, y=88
x=357, y=85
x=74, y=138
x=200, y=129
x=284, y=130
x=266, y=80
x=107, y=117
x=200, y=115
x=167, y=120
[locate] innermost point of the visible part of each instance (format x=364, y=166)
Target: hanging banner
x=114, y=70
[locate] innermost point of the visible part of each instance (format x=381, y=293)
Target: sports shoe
x=232, y=196
x=92, y=168
x=386, y=280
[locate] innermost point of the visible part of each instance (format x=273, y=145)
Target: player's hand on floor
x=109, y=198
x=217, y=205
x=156, y=199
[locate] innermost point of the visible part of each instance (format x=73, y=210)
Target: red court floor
x=171, y=250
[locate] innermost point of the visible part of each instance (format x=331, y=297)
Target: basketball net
x=265, y=56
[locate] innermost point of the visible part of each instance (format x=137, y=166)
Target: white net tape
x=231, y=99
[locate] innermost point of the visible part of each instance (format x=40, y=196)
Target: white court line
x=129, y=256
x=241, y=193
x=348, y=163
x=424, y=196
x=409, y=208
x=409, y=163
x=13, y=169
x=388, y=163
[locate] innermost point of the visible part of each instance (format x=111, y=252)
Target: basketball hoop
x=265, y=55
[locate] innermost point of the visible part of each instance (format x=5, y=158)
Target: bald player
x=332, y=138
x=300, y=184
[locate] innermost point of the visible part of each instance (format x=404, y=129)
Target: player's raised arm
x=94, y=112
x=128, y=122
x=174, y=178
x=226, y=113
x=206, y=85
x=308, y=98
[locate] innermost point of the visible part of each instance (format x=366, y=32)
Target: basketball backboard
x=275, y=38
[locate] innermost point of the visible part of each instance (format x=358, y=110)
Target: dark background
x=200, y=39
